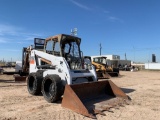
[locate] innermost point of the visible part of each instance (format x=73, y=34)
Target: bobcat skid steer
x=101, y=64
x=99, y=68
x=59, y=71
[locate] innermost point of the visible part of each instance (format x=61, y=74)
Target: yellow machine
x=102, y=68
x=102, y=65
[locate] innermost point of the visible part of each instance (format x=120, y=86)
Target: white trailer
x=18, y=66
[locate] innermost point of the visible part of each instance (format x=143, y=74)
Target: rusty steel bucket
x=102, y=75
x=93, y=98
x=113, y=74
x=19, y=78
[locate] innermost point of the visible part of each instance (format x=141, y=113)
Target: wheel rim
x=34, y=84
x=49, y=88
x=52, y=89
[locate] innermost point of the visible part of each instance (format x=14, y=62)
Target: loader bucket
x=113, y=74
x=102, y=75
x=19, y=78
x=93, y=98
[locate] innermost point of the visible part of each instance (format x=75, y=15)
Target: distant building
x=152, y=66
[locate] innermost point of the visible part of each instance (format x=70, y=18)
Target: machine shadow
x=6, y=81
x=127, y=90
x=11, y=81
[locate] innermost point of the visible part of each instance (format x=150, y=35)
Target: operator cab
x=101, y=60
x=66, y=46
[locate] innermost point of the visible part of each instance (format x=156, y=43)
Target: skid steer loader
x=101, y=64
x=100, y=69
x=59, y=71
x=26, y=51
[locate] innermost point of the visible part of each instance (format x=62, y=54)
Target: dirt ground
x=143, y=87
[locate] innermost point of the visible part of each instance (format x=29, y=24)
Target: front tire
x=34, y=84
x=52, y=88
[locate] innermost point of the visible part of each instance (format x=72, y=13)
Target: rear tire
x=34, y=84
x=52, y=88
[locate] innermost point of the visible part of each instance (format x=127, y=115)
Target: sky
x=130, y=27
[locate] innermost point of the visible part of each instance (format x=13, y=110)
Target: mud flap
x=93, y=98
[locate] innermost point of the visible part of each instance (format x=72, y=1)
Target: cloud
x=113, y=19
x=10, y=50
x=12, y=34
x=22, y=42
x=7, y=40
x=4, y=40
x=80, y=5
x=94, y=8
x=106, y=11
x=98, y=10
x=8, y=29
x=31, y=36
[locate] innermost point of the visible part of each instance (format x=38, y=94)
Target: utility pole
x=125, y=57
x=134, y=53
x=100, y=49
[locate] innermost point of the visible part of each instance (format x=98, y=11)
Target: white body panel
x=61, y=67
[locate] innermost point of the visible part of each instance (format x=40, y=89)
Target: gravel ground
x=143, y=88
